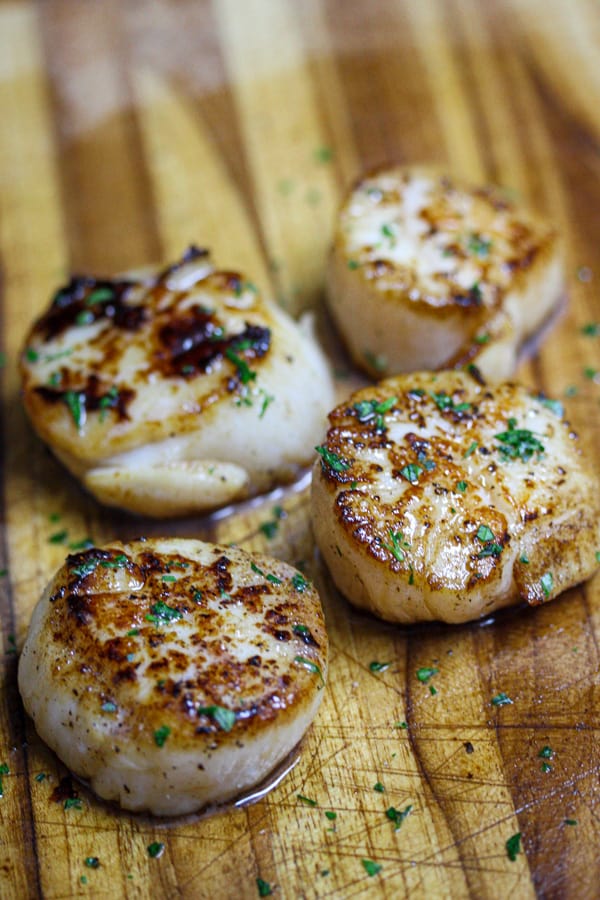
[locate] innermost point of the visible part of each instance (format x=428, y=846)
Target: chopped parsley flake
x=397, y=816
x=109, y=707
x=370, y=867
x=518, y=443
x=306, y=800
x=554, y=406
x=403, y=725
x=389, y=231
x=161, y=734
x=156, y=849
x=378, y=666
x=379, y=788
x=41, y=776
x=546, y=767
x=31, y=355
x=311, y=666
x=395, y=549
x=245, y=373
x=99, y=295
x=373, y=411
x=432, y=690
x=85, y=544
x=479, y=246
x=223, y=717
x=546, y=583
x=513, y=846
x=590, y=373
x=300, y=583
x=482, y=338
x=269, y=529
x=161, y=613
x=470, y=450
x=72, y=803
x=461, y=486
x=267, y=400
x=524, y=559
x=424, y=674
x=272, y=578
x=352, y=264
x=443, y=402
x=501, y=699
x=571, y=822
x=92, y=862
x=591, y=329
x=546, y=752
x=168, y=578
x=411, y=472
x=332, y=460
x=117, y=563
x=4, y=770
x=485, y=534
x=323, y=154
x=332, y=816
x=264, y=888
x=75, y=403
x=377, y=361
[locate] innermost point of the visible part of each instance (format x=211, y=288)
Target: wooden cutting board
x=129, y=130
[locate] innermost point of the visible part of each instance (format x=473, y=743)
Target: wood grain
x=132, y=129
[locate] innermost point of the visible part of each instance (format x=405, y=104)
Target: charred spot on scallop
x=166, y=659
x=438, y=497
x=177, y=392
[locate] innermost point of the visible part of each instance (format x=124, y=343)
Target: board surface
x=130, y=129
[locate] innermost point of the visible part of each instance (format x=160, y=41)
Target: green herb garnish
x=554, y=406
x=31, y=355
x=332, y=460
x=397, y=816
x=479, y=246
x=300, y=583
x=99, y=295
x=306, y=800
x=443, y=402
x=370, y=867
x=461, y=486
x=4, y=770
x=264, y=888
x=513, y=846
x=311, y=666
x=109, y=707
x=161, y=734
x=223, y=717
x=156, y=849
x=378, y=666
x=161, y=613
x=411, y=472
x=591, y=329
x=571, y=822
x=501, y=699
x=470, y=450
x=546, y=752
x=518, y=443
x=72, y=803
x=424, y=674
x=546, y=583
x=329, y=814
x=374, y=411
x=75, y=403
x=92, y=862
x=395, y=548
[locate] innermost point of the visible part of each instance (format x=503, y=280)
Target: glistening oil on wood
x=129, y=132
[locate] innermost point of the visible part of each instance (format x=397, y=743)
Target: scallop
x=436, y=497
x=427, y=272
x=175, y=393
x=173, y=674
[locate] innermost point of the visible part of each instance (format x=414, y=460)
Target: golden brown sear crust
x=427, y=271
x=437, y=496
x=151, y=633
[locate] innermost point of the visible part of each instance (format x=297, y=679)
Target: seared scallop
x=174, y=393
x=437, y=497
x=427, y=272
x=172, y=674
